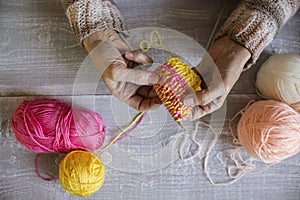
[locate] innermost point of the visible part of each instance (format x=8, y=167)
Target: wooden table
x=40, y=57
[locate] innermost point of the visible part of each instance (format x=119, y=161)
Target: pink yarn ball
x=48, y=125
x=270, y=130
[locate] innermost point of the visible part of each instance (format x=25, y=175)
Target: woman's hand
x=230, y=58
x=129, y=84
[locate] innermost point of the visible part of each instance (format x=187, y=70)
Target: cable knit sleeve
x=89, y=16
x=254, y=23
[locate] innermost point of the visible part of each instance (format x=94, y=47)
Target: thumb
x=205, y=96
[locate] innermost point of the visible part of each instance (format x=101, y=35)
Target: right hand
x=130, y=85
x=230, y=59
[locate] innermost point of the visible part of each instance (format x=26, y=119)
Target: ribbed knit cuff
x=254, y=23
x=89, y=16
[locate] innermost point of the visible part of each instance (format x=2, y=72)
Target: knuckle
x=113, y=75
x=138, y=78
x=114, y=72
x=218, y=106
x=205, y=98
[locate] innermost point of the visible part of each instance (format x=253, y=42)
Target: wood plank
x=40, y=57
x=179, y=180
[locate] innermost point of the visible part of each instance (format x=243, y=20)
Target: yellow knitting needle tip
x=179, y=123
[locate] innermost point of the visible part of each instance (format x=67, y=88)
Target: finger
x=118, y=72
x=196, y=71
x=150, y=104
x=120, y=45
x=146, y=92
x=143, y=104
x=200, y=111
x=203, y=84
x=138, y=57
x=205, y=96
x=132, y=64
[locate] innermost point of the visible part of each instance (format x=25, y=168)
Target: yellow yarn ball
x=81, y=173
x=279, y=79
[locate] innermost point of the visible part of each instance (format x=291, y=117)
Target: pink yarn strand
x=29, y=117
x=38, y=171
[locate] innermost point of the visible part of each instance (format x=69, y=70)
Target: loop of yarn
x=145, y=45
x=49, y=125
x=270, y=130
x=177, y=80
x=81, y=173
x=279, y=79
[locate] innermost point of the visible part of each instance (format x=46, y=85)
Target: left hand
x=118, y=68
x=230, y=58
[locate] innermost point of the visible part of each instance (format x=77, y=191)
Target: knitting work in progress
x=177, y=80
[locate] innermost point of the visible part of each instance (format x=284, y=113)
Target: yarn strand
x=235, y=139
x=38, y=171
x=151, y=43
x=193, y=137
x=135, y=122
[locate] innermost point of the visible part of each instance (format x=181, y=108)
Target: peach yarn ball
x=270, y=130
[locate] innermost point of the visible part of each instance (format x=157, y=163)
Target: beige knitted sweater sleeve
x=254, y=23
x=89, y=16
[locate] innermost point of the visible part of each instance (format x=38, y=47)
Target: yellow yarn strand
x=145, y=45
x=133, y=122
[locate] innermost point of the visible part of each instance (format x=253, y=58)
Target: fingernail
x=189, y=100
x=153, y=78
x=155, y=106
x=129, y=55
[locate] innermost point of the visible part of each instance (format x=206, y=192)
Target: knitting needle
x=179, y=123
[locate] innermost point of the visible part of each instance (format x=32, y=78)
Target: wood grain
x=179, y=180
x=40, y=57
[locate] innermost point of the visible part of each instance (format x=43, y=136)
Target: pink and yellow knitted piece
x=177, y=80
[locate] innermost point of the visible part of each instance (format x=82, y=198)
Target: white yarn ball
x=279, y=79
